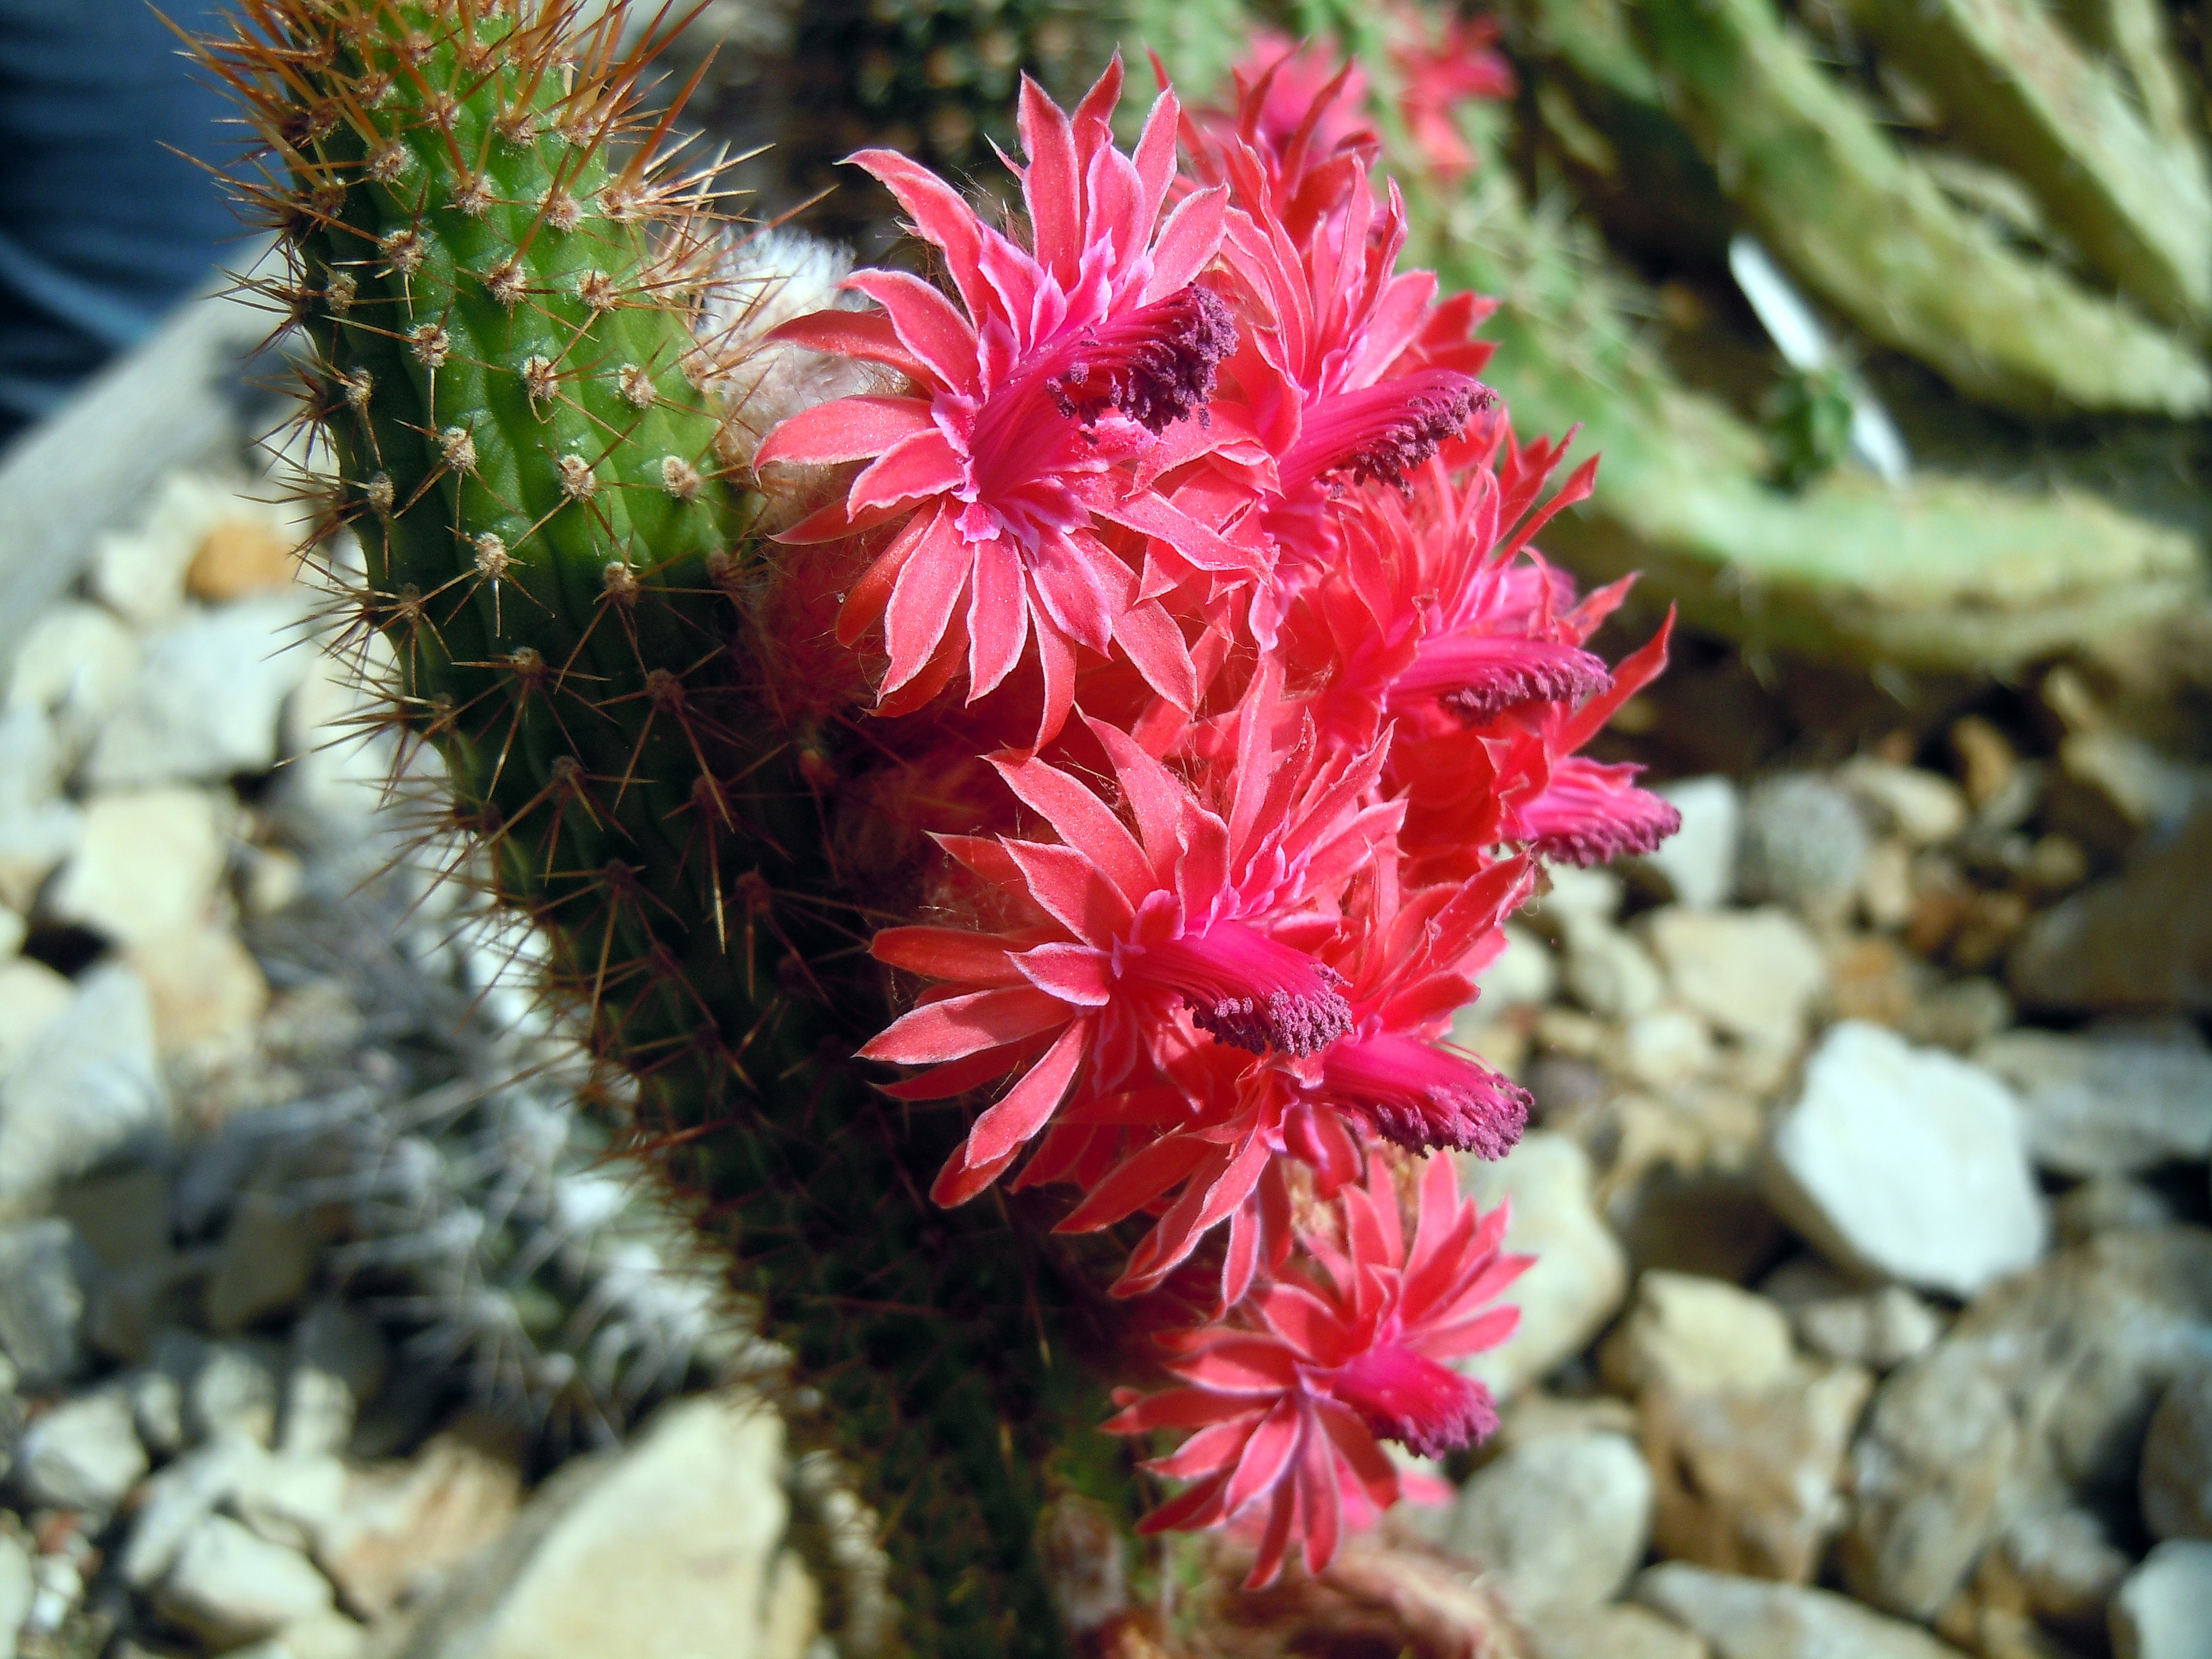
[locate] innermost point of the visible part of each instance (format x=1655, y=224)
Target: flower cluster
x=1186, y=513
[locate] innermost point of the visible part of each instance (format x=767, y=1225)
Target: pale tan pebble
x=206, y=987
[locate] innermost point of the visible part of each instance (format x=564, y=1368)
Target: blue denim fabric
x=101, y=228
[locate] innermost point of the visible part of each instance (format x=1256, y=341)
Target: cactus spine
x=501, y=283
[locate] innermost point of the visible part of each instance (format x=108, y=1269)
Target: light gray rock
x=82, y=1455
x=88, y=1091
x=2177, y=1461
x=1755, y=975
x=324, y=1636
x=73, y=666
x=157, y=1406
x=44, y=1268
x=402, y=1529
x=1689, y=1334
x=1609, y=972
x=1879, y=1330
x=32, y=845
x=176, y=1499
x=1905, y=1163
x=1559, y=1522
x=2164, y=1610
x=204, y=705
x=1524, y=974
x=2064, y=1563
x=1803, y=844
x=1752, y=1619
x=339, y=1358
x=1698, y=862
x=1613, y=1633
x=235, y=1390
x=230, y=1587
x=38, y=828
x=151, y=863
x=672, y=1550
x=1920, y=807
x=2138, y=941
x=1581, y=1272
x=2113, y=1104
x=32, y=997
x=1665, y=1049
x=296, y=1501
x=266, y=1263
x=2042, y=1390
x=16, y=1590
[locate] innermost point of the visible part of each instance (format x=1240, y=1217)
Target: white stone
x=74, y=665
x=151, y=862
x=2107, y=1104
x=207, y=990
x=321, y=1636
x=82, y=1455
x=1523, y=975
x=294, y=1501
x=2177, y=1461
x=1698, y=860
x=1905, y=1163
x=1920, y=807
x=14, y=930
x=87, y=1087
x=140, y=572
x=38, y=828
x=1881, y=1329
x=670, y=1551
x=2164, y=1609
x=1620, y=1631
x=44, y=1271
x=338, y=1361
x=206, y=704
x=177, y=1498
x=1609, y=972
x=16, y=1588
x=1557, y=1522
x=1754, y=973
x=33, y=844
x=230, y=1587
x=401, y=1529
x=32, y=997
x=31, y=764
x=1665, y=1048
x=1581, y=1271
x=1803, y=844
x=1688, y=1333
x=1756, y=1618
x=234, y=1389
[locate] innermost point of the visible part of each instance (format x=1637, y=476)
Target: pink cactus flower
x=1437, y=76
x=1287, y=1404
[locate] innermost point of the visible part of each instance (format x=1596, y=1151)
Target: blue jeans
x=101, y=228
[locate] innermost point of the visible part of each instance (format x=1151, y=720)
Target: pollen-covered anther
x=679, y=477
x=1248, y=991
x=597, y=290
x=619, y=581
x=508, y=282
x=578, y=482
x=390, y=163
x=457, y=449
x=562, y=211
x=538, y=379
x=431, y=343
x=492, y=561
x=1156, y=365
x=403, y=251
x=636, y=386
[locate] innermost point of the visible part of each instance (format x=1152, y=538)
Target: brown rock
x=205, y=986
x=401, y=1528
x=239, y=556
x=2142, y=939
x=1746, y=1478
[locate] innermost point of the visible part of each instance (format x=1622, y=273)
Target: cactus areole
x=1015, y=777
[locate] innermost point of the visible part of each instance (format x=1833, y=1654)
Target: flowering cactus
x=1141, y=674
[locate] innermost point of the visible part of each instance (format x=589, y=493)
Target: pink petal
x=1188, y=242
x=998, y=617
x=946, y=953
x=1156, y=649
x=926, y=325
x=961, y=1026
x=1070, y=889
x=1084, y=822
x=1050, y=182
x=937, y=212
x=1075, y=973
x=921, y=605
x=918, y=466
x=865, y=334
x=847, y=429
x=1003, y=1130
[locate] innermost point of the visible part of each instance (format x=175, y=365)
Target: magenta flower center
x=1421, y=1096
x=1246, y=990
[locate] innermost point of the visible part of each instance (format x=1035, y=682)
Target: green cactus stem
x=501, y=290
